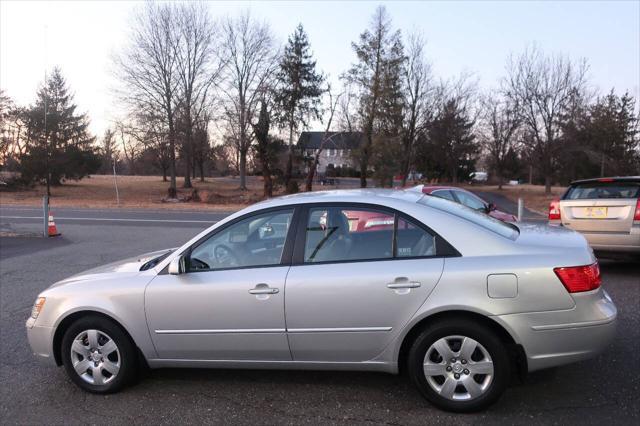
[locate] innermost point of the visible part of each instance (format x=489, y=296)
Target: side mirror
x=176, y=267
x=491, y=207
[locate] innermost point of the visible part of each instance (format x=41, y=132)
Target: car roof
x=608, y=179
x=372, y=195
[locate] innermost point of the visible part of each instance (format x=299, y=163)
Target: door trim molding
x=338, y=330
x=224, y=331
x=276, y=330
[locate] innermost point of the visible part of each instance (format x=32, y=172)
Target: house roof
x=336, y=140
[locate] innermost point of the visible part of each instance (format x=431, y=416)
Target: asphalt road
x=603, y=390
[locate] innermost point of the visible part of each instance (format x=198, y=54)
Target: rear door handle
x=407, y=284
x=263, y=289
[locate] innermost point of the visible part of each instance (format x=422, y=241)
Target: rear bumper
x=618, y=242
x=623, y=243
x=556, y=338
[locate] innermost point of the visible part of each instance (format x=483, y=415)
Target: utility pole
x=115, y=182
x=46, y=139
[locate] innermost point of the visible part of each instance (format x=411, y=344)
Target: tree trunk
x=602, y=165
x=172, y=192
x=499, y=180
x=243, y=169
x=164, y=174
x=201, y=164
x=547, y=184
x=289, y=170
x=188, y=160
x=266, y=177
x=530, y=175
x=312, y=172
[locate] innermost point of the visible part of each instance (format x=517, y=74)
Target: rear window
x=595, y=190
x=507, y=230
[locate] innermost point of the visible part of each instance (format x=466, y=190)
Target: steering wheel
x=225, y=256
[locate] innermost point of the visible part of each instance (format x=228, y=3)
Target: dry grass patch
x=140, y=192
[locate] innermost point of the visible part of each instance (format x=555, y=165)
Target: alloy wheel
x=458, y=368
x=95, y=357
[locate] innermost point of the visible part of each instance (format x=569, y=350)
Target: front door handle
x=407, y=284
x=264, y=289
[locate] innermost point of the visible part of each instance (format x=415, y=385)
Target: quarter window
x=255, y=241
x=413, y=241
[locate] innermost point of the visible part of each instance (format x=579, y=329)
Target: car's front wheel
x=459, y=365
x=97, y=355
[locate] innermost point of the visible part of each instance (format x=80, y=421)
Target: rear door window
x=599, y=190
x=344, y=234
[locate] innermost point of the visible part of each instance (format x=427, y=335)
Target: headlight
x=37, y=307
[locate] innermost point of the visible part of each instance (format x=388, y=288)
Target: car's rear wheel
x=97, y=355
x=459, y=365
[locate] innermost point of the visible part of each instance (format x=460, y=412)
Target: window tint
x=507, y=230
x=469, y=200
x=444, y=193
x=336, y=234
x=255, y=241
x=595, y=190
x=413, y=241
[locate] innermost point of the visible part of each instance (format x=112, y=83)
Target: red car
x=468, y=199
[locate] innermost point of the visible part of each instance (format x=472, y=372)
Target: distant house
x=337, y=149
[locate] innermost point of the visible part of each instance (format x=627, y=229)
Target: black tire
x=485, y=337
x=126, y=355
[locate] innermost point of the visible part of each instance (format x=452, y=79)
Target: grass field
x=221, y=193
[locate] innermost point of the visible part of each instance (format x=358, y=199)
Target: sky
x=462, y=37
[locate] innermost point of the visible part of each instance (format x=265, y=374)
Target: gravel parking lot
x=605, y=389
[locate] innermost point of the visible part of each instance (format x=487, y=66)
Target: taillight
x=579, y=278
x=636, y=215
x=554, y=210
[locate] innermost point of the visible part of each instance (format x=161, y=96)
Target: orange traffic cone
x=53, y=231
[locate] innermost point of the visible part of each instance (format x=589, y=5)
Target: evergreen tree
x=377, y=76
x=298, y=91
x=612, y=132
x=60, y=146
x=451, y=140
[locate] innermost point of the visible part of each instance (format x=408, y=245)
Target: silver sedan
x=355, y=280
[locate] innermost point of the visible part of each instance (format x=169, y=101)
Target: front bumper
x=41, y=341
x=556, y=338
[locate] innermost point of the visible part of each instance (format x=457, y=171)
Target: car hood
x=126, y=267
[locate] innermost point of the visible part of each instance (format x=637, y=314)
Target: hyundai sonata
x=355, y=280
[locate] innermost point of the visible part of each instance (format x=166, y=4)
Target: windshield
x=507, y=230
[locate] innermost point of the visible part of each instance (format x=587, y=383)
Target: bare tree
x=198, y=67
x=326, y=137
x=131, y=142
x=418, y=88
x=148, y=71
x=498, y=131
x=543, y=85
x=249, y=47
